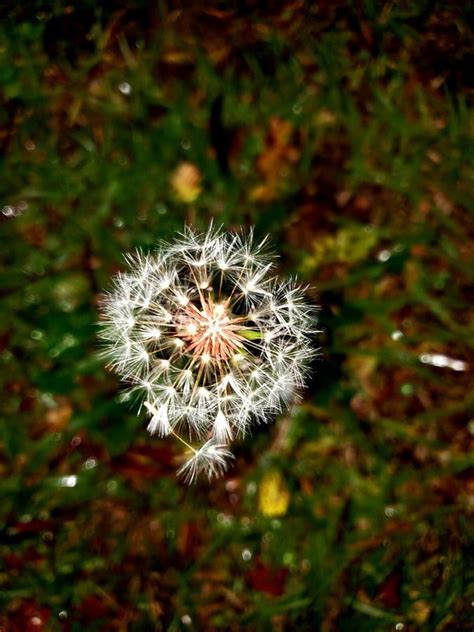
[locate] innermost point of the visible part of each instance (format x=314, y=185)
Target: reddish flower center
x=211, y=333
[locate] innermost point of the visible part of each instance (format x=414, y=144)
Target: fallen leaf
x=268, y=580
x=186, y=182
x=274, y=496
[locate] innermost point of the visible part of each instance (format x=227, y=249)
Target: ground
x=344, y=131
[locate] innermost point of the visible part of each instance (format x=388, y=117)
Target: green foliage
x=345, y=131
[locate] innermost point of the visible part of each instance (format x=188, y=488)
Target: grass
x=344, y=130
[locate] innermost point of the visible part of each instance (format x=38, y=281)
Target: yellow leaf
x=186, y=182
x=273, y=496
x=420, y=611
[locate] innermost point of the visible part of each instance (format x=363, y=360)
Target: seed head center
x=211, y=331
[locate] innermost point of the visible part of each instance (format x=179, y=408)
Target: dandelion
x=209, y=339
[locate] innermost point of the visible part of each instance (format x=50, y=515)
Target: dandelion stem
x=190, y=447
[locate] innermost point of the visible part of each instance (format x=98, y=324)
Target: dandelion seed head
x=210, y=340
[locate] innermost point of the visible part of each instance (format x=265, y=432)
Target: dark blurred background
x=344, y=130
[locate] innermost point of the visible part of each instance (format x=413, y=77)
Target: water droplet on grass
x=384, y=255
x=125, y=88
x=68, y=481
x=251, y=488
x=297, y=108
x=407, y=389
x=246, y=555
x=75, y=441
x=442, y=361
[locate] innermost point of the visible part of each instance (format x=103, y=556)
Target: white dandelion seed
x=211, y=458
x=209, y=339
